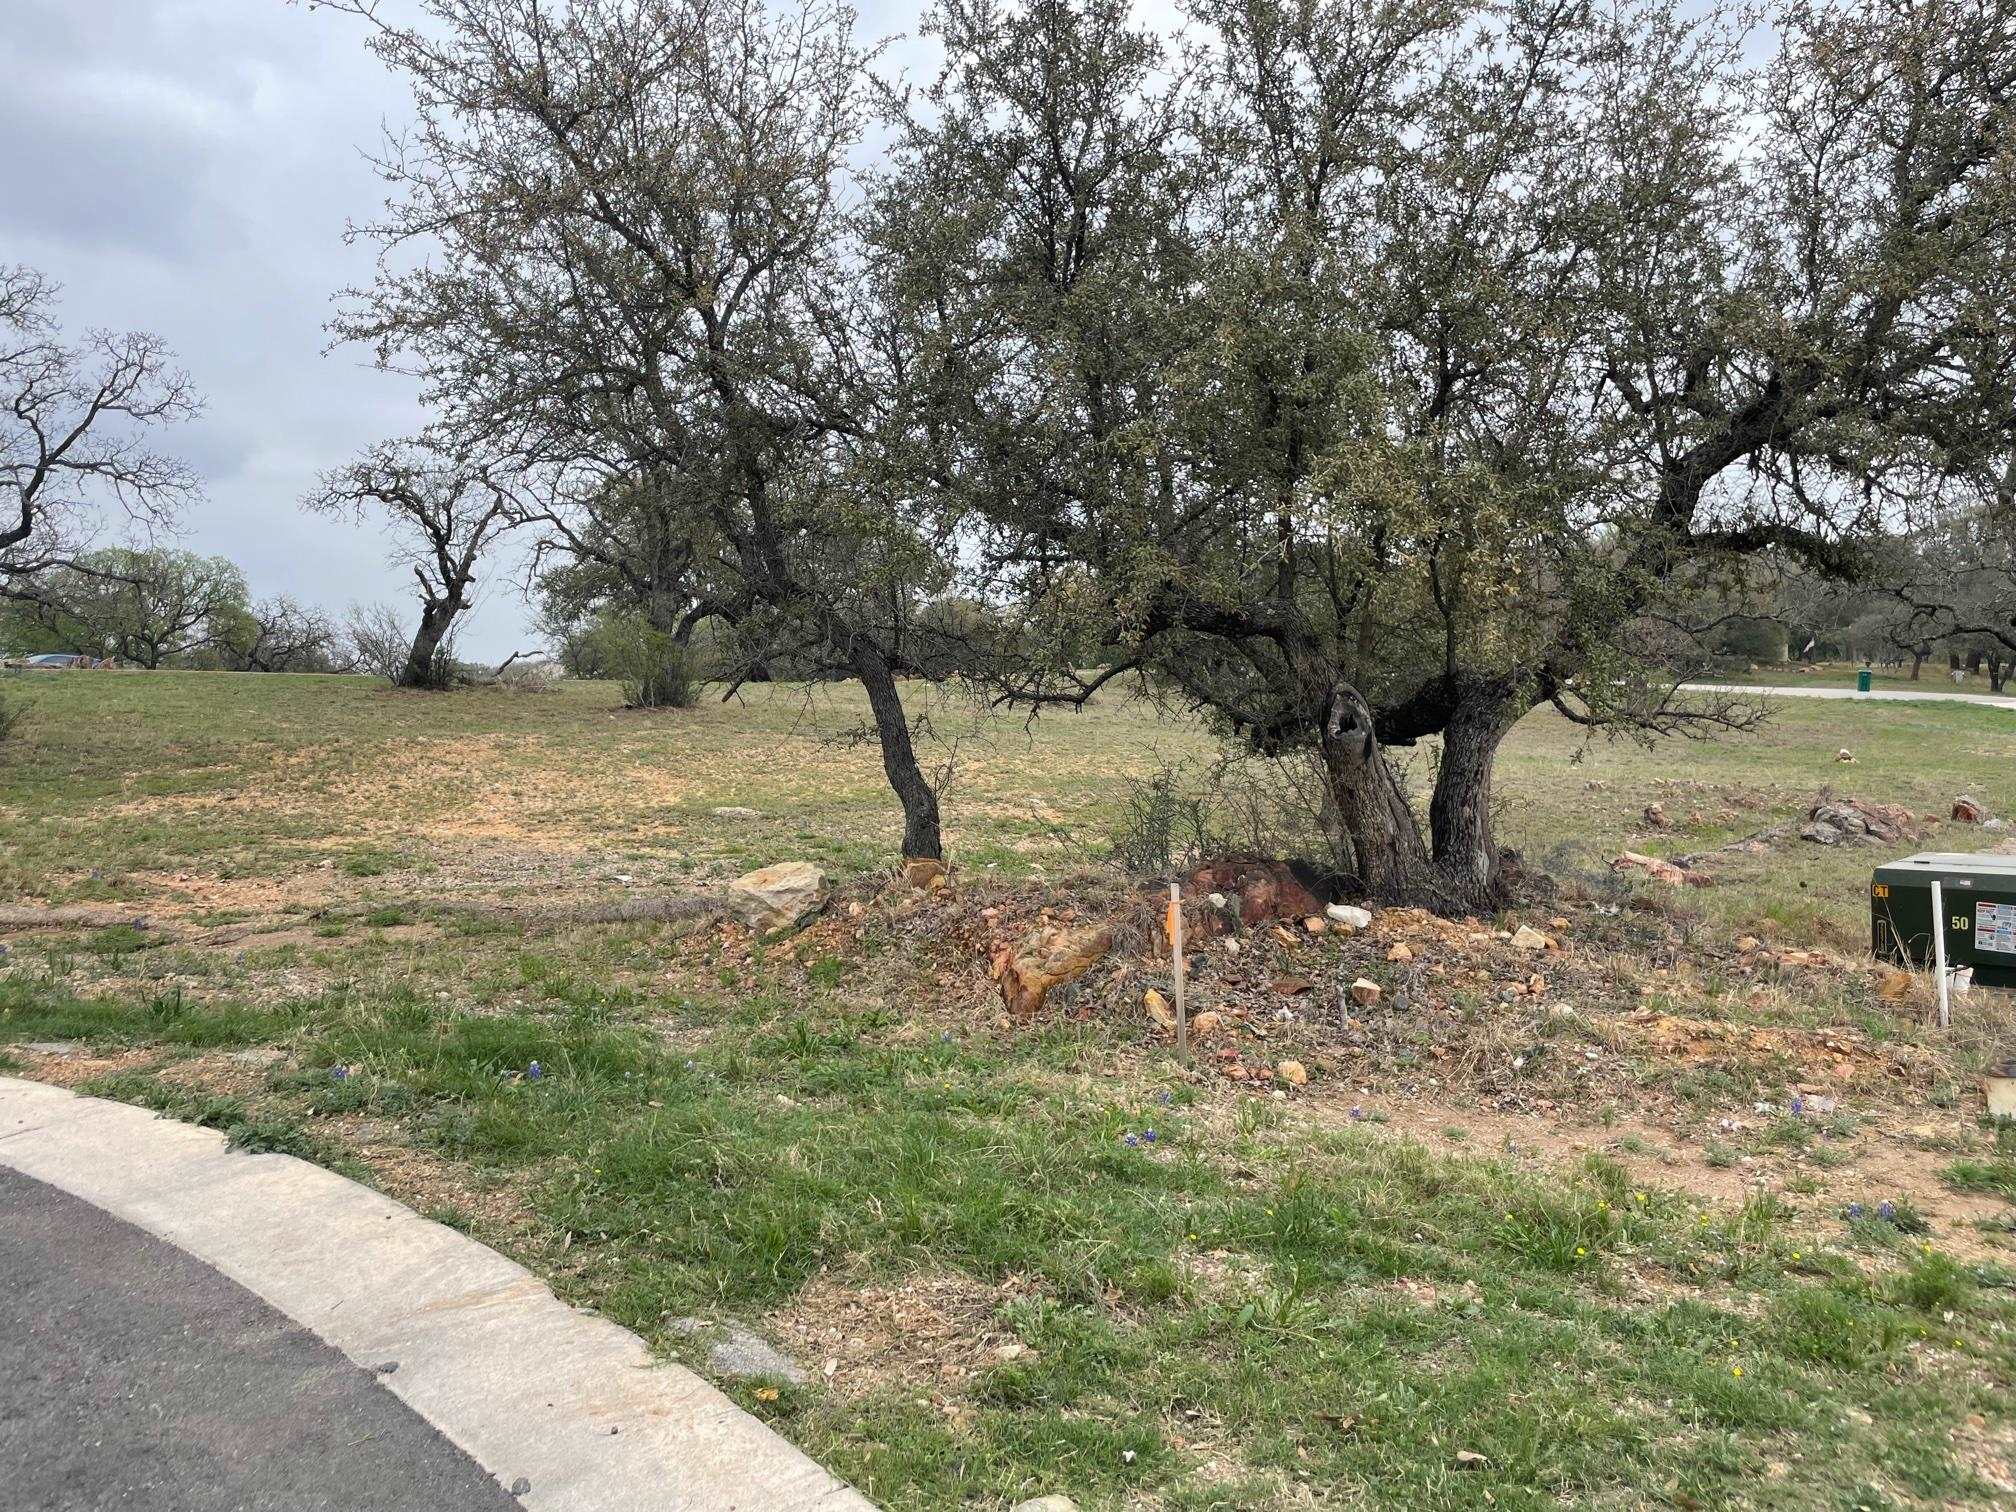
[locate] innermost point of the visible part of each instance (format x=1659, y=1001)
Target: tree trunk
x=1917, y=662
x=1386, y=844
x=1459, y=815
x=921, y=840
x=435, y=618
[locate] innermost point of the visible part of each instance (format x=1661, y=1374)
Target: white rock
x=1344, y=913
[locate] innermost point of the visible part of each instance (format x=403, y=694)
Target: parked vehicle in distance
x=55, y=661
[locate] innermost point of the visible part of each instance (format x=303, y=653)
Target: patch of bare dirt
x=424, y=1181
x=932, y=1332
x=78, y=1066
x=220, y=1073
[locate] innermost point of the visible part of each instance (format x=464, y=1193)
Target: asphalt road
x=132, y=1376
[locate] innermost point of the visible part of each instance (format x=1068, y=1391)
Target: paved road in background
x=1986, y=700
x=131, y=1376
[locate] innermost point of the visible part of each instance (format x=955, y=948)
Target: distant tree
x=74, y=423
x=144, y=607
x=1963, y=593
x=443, y=513
x=624, y=553
x=279, y=634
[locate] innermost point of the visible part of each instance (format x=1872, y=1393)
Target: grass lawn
x=1554, y=1232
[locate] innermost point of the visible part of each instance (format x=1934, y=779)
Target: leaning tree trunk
x=921, y=840
x=435, y=618
x=1459, y=815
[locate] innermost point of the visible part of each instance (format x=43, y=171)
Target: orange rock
x=1046, y=959
x=925, y=873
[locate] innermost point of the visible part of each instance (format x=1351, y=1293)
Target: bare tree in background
x=280, y=634
x=443, y=514
x=74, y=423
x=375, y=640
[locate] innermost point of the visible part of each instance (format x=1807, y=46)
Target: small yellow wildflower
x=766, y=1393
x=1641, y=1199
x=1580, y=1250
x=1737, y=1371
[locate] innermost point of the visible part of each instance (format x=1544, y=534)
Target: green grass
x=1211, y=1320
x=1215, y=1309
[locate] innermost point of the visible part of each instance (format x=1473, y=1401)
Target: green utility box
x=1980, y=905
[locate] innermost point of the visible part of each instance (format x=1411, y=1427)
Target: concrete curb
x=528, y=1387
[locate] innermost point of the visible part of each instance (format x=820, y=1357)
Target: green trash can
x=1862, y=681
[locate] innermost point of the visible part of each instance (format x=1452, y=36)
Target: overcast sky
x=187, y=167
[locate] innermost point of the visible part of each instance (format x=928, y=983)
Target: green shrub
x=655, y=671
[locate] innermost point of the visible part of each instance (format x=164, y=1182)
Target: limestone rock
x=1158, y=1009
x=1348, y=916
x=1968, y=810
x=1364, y=993
x=925, y=873
x=1206, y=1023
x=1046, y=1504
x=1833, y=820
x=1044, y=960
x=776, y=899
x=1400, y=951
x=1526, y=937
x=732, y=812
x=1658, y=870
x=737, y=1352
x=1292, y=1072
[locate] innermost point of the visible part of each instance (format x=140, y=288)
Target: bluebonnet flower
x=1357, y=1113
x=1886, y=1211
x=1166, y=1099
x=339, y=1073
x=534, y=1071
x=1854, y=1210
x=1798, y=1106
x=1149, y=1135
x=1130, y=1140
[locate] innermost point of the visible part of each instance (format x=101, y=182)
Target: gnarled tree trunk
x=1386, y=844
x=435, y=618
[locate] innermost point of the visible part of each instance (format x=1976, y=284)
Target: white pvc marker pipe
x=1939, y=950
x=1176, y=953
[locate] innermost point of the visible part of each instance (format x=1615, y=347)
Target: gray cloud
x=188, y=167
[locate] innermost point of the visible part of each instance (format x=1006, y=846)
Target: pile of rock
x=1834, y=820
